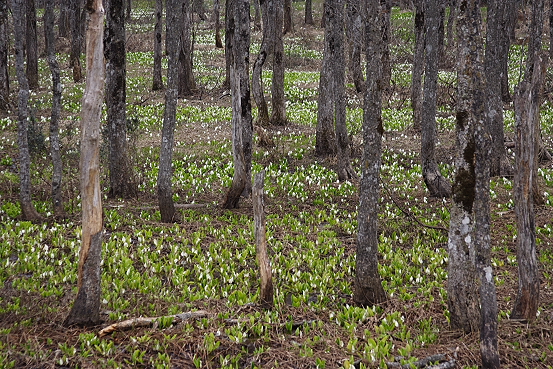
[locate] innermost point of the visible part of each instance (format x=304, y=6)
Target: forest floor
x=205, y=262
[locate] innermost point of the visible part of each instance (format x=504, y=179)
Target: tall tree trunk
x=228, y=43
x=509, y=24
x=386, y=6
x=450, y=22
x=173, y=40
x=158, y=80
x=418, y=65
x=278, y=101
x=64, y=20
x=462, y=285
x=57, y=199
x=368, y=289
x=86, y=309
x=288, y=22
x=76, y=39
x=187, y=83
x=495, y=41
x=120, y=171
x=27, y=207
x=217, y=20
x=437, y=185
x=242, y=129
x=354, y=34
x=31, y=46
x=309, y=12
x=4, y=74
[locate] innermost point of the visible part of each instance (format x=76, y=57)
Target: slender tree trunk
x=173, y=40
x=76, y=39
x=437, y=185
x=242, y=129
x=86, y=309
x=31, y=46
x=120, y=171
x=278, y=117
x=57, y=199
x=418, y=65
x=217, y=20
x=386, y=6
x=309, y=12
x=462, y=285
x=288, y=22
x=509, y=23
x=158, y=80
x=64, y=20
x=368, y=284
x=27, y=207
x=354, y=34
x=187, y=83
x=4, y=70
x=228, y=43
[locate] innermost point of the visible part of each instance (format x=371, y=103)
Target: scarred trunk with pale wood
x=266, y=287
x=86, y=309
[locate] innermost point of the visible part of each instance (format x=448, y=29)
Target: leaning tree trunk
x=278, y=101
x=31, y=46
x=4, y=74
x=368, y=284
x=418, y=65
x=57, y=199
x=120, y=171
x=27, y=207
x=86, y=309
x=157, y=79
x=242, y=129
x=164, y=187
x=187, y=83
x=462, y=285
x=76, y=39
x=437, y=185
x=354, y=34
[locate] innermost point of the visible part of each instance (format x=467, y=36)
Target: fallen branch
x=145, y=321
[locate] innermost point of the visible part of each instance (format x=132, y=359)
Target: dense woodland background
x=402, y=208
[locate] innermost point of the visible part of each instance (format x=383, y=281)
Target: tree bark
x=386, y=6
x=64, y=20
x=158, y=80
x=418, y=65
x=27, y=207
x=217, y=20
x=354, y=34
x=450, y=22
x=86, y=309
x=278, y=102
x=462, y=285
x=173, y=40
x=57, y=199
x=128, y=9
x=76, y=39
x=198, y=7
x=242, y=128
x=31, y=46
x=309, y=12
x=120, y=171
x=368, y=284
x=437, y=185
x=228, y=43
x=187, y=83
x=4, y=66
x=288, y=22
x=257, y=19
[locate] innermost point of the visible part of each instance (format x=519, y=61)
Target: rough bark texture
x=164, y=186
x=386, y=10
x=288, y=23
x=266, y=288
x=418, y=65
x=76, y=39
x=309, y=12
x=86, y=309
x=187, y=83
x=217, y=20
x=368, y=285
x=228, y=42
x=57, y=199
x=462, y=285
x=4, y=75
x=120, y=171
x=27, y=207
x=450, y=22
x=437, y=185
x=157, y=83
x=354, y=34
x=278, y=101
x=242, y=128
x=495, y=46
x=31, y=46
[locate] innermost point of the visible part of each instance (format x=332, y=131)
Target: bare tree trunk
x=242, y=129
x=309, y=12
x=354, y=34
x=228, y=43
x=278, y=101
x=31, y=46
x=217, y=20
x=86, y=309
x=4, y=70
x=158, y=80
x=437, y=185
x=120, y=171
x=27, y=207
x=418, y=65
x=368, y=284
x=509, y=24
x=57, y=199
x=288, y=23
x=187, y=83
x=462, y=285
x=64, y=21
x=173, y=40
x=76, y=39
x=386, y=6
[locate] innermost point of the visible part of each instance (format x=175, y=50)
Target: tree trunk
x=57, y=199
x=228, y=43
x=368, y=289
x=288, y=22
x=64, y=21
x=450, y=22
x=242, y=129
x=31, y=46
x=462, y=285
x=509, y=23
x=4, y=66
x=309, y=12
x=173, y=40
x=76, y=39
x=187, y=83
x=86, y=309
x=437, y=185
x=386, y=6
x=27, y=207
x=120, y=171
x=257, y=16
x=217, y=20
x=198, y=7
x=495, y=41
x=158, y=80
x=354, y=34
x=278, y=101
x=418, y=65
x=128, y=9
